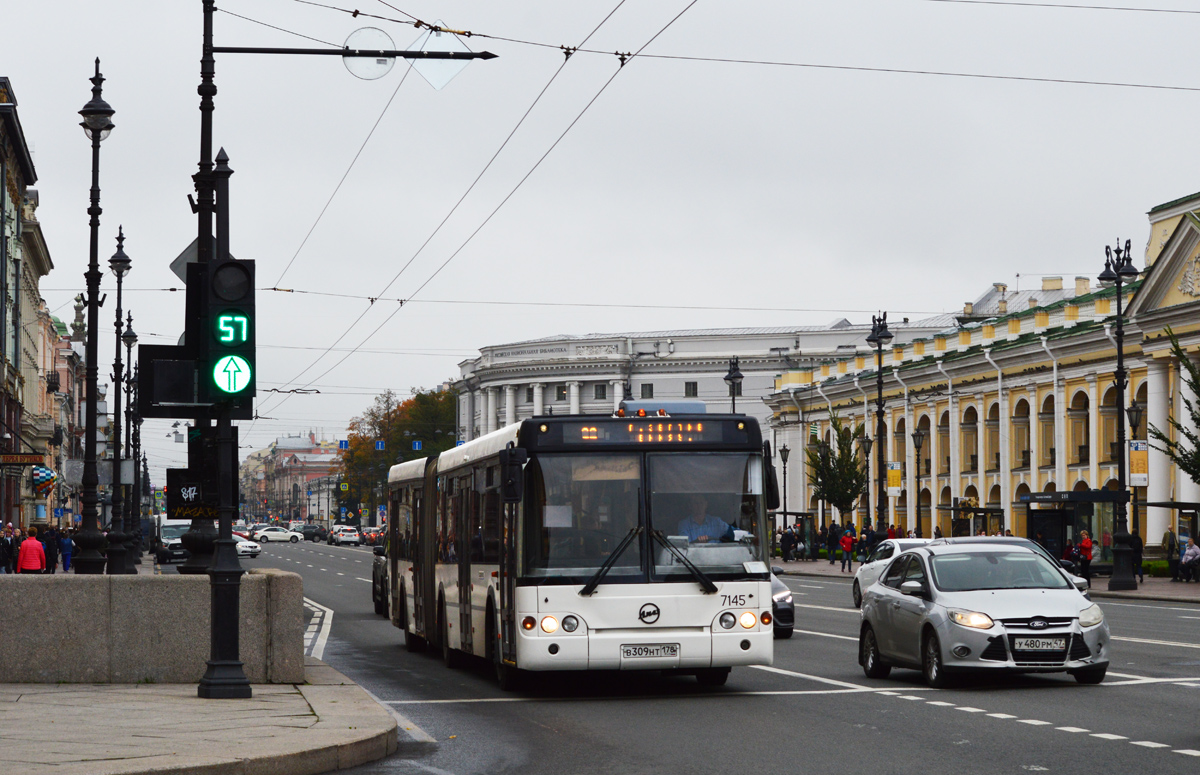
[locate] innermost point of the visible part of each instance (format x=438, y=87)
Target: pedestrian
x=66, y=546
x=1008, y=533
x=5, y=550
x=847, y=543
x=1170, y=545
x=832, y=545
x=937, y=531
x=11, y=543
x=1189, y=565
x=1085, y=556
x=787, y=543
x=32, y=556
x=1137, y=545
x=49, y=539
x=822, y=540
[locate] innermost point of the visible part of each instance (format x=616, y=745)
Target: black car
x=379, y=581
x=782, y=609
x=313, y=533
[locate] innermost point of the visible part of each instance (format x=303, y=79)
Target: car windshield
x=173, y=531
x=995, y=570
x=709, y=506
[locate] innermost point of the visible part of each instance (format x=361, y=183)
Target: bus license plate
x=650, y=650
x=1039, y=644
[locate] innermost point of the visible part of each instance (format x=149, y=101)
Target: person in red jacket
x=847, y=544
x=32, y=557
x=1085, y=556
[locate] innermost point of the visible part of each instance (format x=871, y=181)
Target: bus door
x=420, y=562
x=395, y=550
x=468, y=511
x=511, y=481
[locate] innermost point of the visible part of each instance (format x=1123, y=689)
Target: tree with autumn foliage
x=427, y=416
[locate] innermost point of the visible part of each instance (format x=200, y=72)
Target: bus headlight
x=748, y=619
x=727, y=620
x=529, y=622
x=549, y=624
x=570, y=624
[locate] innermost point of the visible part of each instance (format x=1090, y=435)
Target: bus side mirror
x=512, y=463
x=772, y=483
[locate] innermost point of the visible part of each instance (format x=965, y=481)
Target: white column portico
x=573, y=393
x=510, y=404
x=489, y=419
x=469, y=432
x=618, y=392
x=1004, y=447
x=539, y=396
x=1185, y=489
x=1158, y=405
x=1093, y=434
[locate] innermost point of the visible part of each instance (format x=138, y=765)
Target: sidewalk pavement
x=328, y=723
x=1153, y=589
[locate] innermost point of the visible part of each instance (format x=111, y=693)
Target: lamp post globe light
x=734, y=379
x=783, y=456
x=119, y=263
x=97, y=125
x=133, y=509
x=1118, y=270
x=879, y=338
x=918, y=439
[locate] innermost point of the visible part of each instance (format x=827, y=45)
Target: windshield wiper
x=705, y=582
x=595, y=580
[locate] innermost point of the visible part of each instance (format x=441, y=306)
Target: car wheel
x=931, y=663
x=783, y=633
x=713, y=676
x=868, y=655
x=264, y=539
x=857, y=593
x=294, y=539
x=1092, y=675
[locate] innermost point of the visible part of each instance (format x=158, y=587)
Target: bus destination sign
x=648, y=431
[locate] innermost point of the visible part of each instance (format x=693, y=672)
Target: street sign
x=58, y=513
x=1139, y=463
x=310, y=493
x=22, y=459
x=343, y=511
x=417, y=445
x=345, y=486
x=379, y=445
x=231, y=374
x=459, y=443
x=895, y=479
x=343, y=444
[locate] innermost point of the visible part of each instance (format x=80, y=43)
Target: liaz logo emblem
x=1038, y=624
x=649, y=613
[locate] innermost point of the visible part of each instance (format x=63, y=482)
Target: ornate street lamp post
x=1135, y=419
x=133, y=501
x=119, y=263
x=866, y=442
x=734, y=380
x=918, y=438
x=783, y=456
x=879, y=338
x=96, y=125
x=1119, y=269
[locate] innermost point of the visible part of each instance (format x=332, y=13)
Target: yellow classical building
x=1016, y=401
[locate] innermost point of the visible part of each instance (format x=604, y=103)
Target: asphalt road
x=813, y=711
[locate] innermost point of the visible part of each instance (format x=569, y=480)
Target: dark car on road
x=379, y=580
x=782, y=608
x=313, y=533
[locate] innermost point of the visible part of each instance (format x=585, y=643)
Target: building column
x=489, y=419
x=1185, y=489
x=573, y=394
x=464, y=415
x=1094, y=434
x=935, y=464
x=1061, y=454
x=910, y=470
x=981, y=448
x=955, y=482
x=539, y=396
x=1004, y=447
x=1035, y=441
x=618, y=392
x=510, y=404
x=1158, y=408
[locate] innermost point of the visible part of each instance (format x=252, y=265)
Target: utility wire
x=1065, y=5
x=280, y=29
x=517, y=187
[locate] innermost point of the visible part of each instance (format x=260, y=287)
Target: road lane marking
x=1148, y=744
x=721, y=695
x=909, y=697
x=341, y=574
x=970, y=710
x=1189, y=617
x=1108, y=736
x=1072, y=729
x=808, y=586
x=412, y=730
x=829, y=608
x=806, y=676
x=941, y=704
x=1150, y=642
x=1187, y=752
x=326, y=623
x=1107, y=603
x=825, y=635
x=1001, y=715
x=359, y=578
x=1033, y=722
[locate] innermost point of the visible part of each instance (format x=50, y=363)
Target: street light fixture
x=1119, y=269
x=133, y=513
x=879, y=338
x=783, y=456
x=119, y=263
x=97, y=125
x=866, y=442
x=918, y=438
x=1135, y=419
x=734, y=380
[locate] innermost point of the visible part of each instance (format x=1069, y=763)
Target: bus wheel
x=713, y=676
x=450, y=656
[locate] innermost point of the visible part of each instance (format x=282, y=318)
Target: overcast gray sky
x=831, y=192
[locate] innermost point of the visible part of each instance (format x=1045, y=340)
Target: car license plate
x=1039, y=644
x=650, y=650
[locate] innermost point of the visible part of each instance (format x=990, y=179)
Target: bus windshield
x=710, y=508
x=580, y=509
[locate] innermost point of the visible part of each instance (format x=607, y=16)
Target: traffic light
x=226, y=348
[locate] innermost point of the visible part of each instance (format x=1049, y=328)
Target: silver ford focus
x=945, y=609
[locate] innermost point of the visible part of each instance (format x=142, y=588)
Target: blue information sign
x=459, y=443
x=343, y=511
x=58, y=513
x=416, y=445
x=343, y=444
x=379, y=445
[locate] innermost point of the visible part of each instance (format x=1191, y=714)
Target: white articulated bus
x=636, y=541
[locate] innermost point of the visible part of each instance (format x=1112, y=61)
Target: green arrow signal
x=231, y=374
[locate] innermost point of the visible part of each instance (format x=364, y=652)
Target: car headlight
x=1091, y=616
x=782, y=597
x=971, y=619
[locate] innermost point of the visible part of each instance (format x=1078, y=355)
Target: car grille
x=995, y=650
x=1023, y=624
x=1079, y=648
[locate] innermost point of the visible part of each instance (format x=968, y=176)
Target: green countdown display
x=231, y=374
x=233, y=328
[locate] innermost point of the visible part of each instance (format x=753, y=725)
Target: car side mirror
x=776, y=569
x=914, y=588
x=1067, y=565
x=1080, y=584
x=380, y=551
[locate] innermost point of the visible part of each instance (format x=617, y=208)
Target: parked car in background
x=999, y=607
x=868, y=572
x=168, y=543
x=783, y=610
x=313, y=532
x=247, y=548
x=379, y=581
x=345, y=534
x=276, y=534
x=374, y=536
